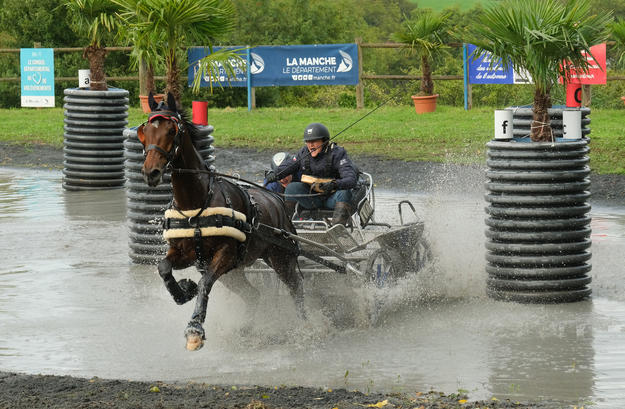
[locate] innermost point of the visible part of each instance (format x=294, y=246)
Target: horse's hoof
x=189, y=290
x=189, y=287
x=195, y=336
x=194, y=342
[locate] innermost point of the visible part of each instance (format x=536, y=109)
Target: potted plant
x=422, y=37
x=538, y=235
x=94, y=118
x=617, y=30
x=544, y=37
x=95, y=19
x=171, y=25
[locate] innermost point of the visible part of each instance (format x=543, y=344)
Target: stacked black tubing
x=146, y=205
x=538, y=227
x=93, y=140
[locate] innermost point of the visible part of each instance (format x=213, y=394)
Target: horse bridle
x=174, y=117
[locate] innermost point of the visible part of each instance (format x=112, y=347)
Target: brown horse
x=213, y=223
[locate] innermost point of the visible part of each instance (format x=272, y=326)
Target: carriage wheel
x=381, y=269
x=422, y=255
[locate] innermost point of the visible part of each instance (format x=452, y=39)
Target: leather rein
x=169, y=156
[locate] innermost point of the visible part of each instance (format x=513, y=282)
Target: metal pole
x=466, y=79
x=249, y=79
x=360, y=88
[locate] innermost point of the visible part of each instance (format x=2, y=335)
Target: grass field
x=441, y=4
x=450, y=134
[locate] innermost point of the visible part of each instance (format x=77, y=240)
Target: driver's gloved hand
x=270, y=176
x=328, y=187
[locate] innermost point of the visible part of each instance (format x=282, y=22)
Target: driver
x=330, y=170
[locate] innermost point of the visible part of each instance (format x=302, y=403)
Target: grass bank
x=448, y=135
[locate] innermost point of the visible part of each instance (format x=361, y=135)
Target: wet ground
x=73, y=304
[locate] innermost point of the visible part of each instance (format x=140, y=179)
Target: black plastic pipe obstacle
x=538, y=227
x=93, y=140
x=146, y=205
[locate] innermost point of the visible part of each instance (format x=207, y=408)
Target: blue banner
x=37, y=77
x=194, y=54
x=481, y=72
x=289, y=65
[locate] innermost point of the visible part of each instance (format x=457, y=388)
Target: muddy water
x=72, y=303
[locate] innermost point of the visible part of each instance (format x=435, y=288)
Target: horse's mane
x=191, y=128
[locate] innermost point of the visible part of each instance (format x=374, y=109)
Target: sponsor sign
x=481, y=71
x=194, y=54
x=596, y=73
x=289, y=65
x=37, y=77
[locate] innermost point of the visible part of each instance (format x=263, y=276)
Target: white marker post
x=503, y=124
x=572, y=124
x=84, y=78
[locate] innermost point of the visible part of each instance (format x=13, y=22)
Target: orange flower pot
x=425, y=103
x=144, y=101
x=623, y=99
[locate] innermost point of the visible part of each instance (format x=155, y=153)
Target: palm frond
x=209, y=67
x=423, y=34
x=96, y=19
x=161, y=28
x=617, y=31
x=541, y=36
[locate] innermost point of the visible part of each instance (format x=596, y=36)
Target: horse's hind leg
x=285, y=267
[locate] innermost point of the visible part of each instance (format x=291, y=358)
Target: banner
x=288, y=65
x=37, y=77
x=597, y=73
x=481, y=72
x=194, y=54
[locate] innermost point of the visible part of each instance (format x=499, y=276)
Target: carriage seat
x=359, y=193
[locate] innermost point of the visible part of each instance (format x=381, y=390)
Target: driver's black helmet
x=316, y=131
x=280, y=158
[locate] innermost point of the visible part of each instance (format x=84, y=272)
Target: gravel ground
x=44, y=391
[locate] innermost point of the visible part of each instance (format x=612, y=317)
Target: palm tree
x=96, y=20
x=617, y=30
x=170, y=25
x=422, y=37
x=144, y=52
x=544, y=37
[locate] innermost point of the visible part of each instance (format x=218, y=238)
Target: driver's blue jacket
x=332, y=162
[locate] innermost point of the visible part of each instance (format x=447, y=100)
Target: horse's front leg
x=221, y=261
x=182, y=291
x=194, y=332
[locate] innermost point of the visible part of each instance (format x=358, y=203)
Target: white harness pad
x=227, y=231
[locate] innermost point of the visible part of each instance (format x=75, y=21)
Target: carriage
x=377, y=253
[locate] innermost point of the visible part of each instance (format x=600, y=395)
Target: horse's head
x=160, y=137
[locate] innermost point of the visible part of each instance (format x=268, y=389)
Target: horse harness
x=213, y=221
x=222, y=221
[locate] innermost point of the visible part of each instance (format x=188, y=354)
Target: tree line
x=287, y=22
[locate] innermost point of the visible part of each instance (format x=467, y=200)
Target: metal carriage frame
x=377, y=253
